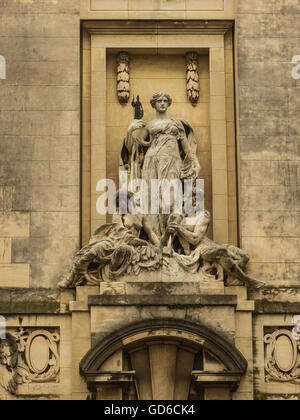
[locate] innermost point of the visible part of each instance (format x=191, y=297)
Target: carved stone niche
x=282, y=355
x=27, y=356
x=162, y=360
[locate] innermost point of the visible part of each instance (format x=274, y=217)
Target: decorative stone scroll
x=29, y=356
x=123, y=77
x=192, y=77
x=282, y=356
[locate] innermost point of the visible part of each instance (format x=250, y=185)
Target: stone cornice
x=158, y=28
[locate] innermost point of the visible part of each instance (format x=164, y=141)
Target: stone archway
x=162, y=360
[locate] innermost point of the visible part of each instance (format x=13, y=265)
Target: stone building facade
x=62, y=128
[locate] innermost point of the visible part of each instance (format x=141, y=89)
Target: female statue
x=163, y=149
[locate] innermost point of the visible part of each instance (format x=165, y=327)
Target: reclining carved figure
x=197, y=246
x=117, y=250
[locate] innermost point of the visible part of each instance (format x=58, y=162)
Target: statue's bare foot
x=66, y=283
x=63, y=285
x=241, y=275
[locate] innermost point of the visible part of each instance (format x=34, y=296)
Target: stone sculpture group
x=163, y=149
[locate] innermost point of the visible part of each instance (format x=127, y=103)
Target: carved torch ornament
x=123, y=77
x=192, y=77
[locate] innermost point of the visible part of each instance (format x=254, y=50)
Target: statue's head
x=161, y=101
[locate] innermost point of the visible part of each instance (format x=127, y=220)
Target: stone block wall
x=267, y=39
x=269, y=137
x=40, y=143
x=157, y=9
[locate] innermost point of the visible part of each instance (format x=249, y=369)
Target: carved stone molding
x=192, y=77
x=123, y=77
x=158, y=28
x=282, y=356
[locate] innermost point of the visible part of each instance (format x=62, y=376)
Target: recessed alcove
x=157, y=62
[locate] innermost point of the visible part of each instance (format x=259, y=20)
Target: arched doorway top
x=188, y=333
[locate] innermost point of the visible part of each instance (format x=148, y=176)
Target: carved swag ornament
x=123, y=77
x=192, y=77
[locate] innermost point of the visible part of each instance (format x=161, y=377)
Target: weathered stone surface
x=285, y=294
x=29, y=301
x=175, y=302
x=41, y=6
x=14, y=225
x=14, y=275
x=40, y=143
x=267, y=307
x=269, y=152
x=269, y=146
x=106, y=320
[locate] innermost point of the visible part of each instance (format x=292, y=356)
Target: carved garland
x=123, y=77
x=282, y=356
x=192, y=77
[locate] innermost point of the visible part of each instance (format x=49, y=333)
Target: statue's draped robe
x=159, y=157
x=118, y=251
